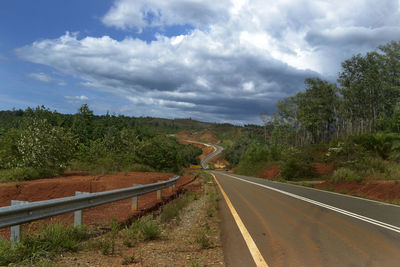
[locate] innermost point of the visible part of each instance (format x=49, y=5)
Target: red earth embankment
x=203, y=136
x=379, y=190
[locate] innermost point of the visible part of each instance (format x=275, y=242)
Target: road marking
x=345, y=212
x=255, y=253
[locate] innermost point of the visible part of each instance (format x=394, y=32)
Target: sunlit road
x=297, y=226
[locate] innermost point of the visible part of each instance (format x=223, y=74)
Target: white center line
x=345, y=212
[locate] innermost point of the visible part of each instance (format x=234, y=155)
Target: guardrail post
x=16, y=232
x=159, y=193
x=78, y=213
x=134, y=206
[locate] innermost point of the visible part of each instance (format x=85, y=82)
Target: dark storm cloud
x=239, y=59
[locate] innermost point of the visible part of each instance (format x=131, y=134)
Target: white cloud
x=40, y=77
x=149, y=13
x=239, y=60
x=79, y=97
x=46, y=78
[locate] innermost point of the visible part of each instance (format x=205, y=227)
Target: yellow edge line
x=255, y=253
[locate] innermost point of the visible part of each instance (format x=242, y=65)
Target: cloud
x=40, y=77
x=81, y=97
x=240, y=58
x=138, y=14
x=43, y=77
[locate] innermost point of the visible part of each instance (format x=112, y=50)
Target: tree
x=317, y=108
x=83, y=124
x=42, y=145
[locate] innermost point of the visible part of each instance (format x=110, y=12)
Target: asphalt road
x=297, y=226
x=205, y=160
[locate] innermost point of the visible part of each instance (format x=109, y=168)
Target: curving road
x=205, y=160
x=297, y=226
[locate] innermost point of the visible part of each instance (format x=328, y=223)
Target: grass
x=47, y=242
x=143, y=229
x=172, y=210
x=343, y=191
x=212, y=203
x=129, y=260
x=203, y=240
x=345, y=175
x=206, y=177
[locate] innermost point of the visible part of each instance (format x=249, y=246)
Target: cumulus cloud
x=240, y=58
x=138, y=14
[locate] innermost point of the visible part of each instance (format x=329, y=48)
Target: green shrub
x=150, y=230
x=297, y=170
x=50, y=240
x=344, y=175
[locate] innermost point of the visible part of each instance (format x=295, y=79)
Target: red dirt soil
x=271, y=173
x=323, y=169
x=379, y=190
x=204, y=136
x=44, y=189
x=218, y=162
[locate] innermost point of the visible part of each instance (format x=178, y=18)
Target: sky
x=218, y=61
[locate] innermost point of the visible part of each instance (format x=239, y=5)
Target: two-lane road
x=296, y=226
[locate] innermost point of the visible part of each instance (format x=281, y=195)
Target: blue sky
x=224, y=61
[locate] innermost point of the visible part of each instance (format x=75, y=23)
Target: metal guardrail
x=32, y=211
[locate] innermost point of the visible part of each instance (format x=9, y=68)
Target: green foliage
x=44, y=146
x=256, y=154
x=9, y=155
x=50, y=240
x=345, y=175
x=203, y=239
x=143, y=229
x=38, y=142
x=150, y=230
x=25, y=174
x=296, y=165
x=297, y=170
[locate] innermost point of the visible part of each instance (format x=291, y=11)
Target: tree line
x=365, y=100
x=39, y=142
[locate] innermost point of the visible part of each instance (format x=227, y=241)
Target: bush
x=345, y=175
x=297, y=170
x=142, y=229
x=26, y=174
x=42, y=145
x=150, y=230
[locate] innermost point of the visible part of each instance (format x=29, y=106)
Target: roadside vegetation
x=189, y=221
x=353, y=127
x=43, y=244
x=38, y=143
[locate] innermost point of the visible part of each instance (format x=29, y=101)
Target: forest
x=353, y=124
x=36, y=143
